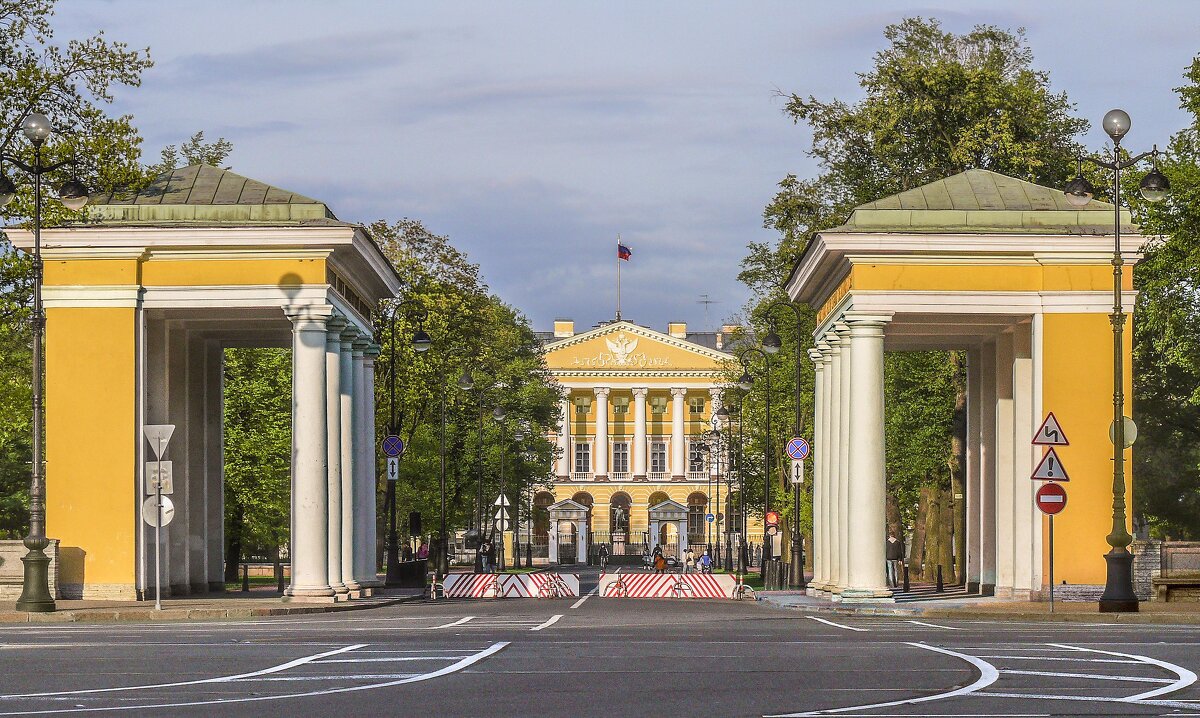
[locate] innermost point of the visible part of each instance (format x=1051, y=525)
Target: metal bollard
x=245, y=578
x=529, y=555
x=906, y=578
x=279, y=587
x=940, y=588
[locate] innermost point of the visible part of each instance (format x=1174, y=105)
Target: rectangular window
x=620, y=458
x=658, y=457
x=583, y=458
x=695, y=457
x=583, y=404
x=620, y=405
x=658, y=405
x=696, y=405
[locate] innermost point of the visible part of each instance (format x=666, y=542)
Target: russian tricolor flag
x=624, y=252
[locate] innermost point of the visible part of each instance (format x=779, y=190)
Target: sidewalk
x=976, y=608
x=217, y=606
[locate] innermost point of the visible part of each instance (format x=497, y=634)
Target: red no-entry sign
x=1051, y=498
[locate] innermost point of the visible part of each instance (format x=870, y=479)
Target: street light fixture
x=35, y=587
x=1118, y=595
x=772, y=344
x=747, y=382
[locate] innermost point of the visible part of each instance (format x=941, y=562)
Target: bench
x=1177, y=588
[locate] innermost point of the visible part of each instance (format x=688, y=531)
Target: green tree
x=71, y=85
x=195, y=151
x=934, y=103
x=1167, y=337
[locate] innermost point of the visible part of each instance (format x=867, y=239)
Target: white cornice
x=641, y=331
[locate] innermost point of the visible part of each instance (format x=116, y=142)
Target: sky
x=533, y=133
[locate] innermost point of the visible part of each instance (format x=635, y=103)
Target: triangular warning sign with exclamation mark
x=1050, y=469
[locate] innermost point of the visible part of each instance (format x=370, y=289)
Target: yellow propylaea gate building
x=636, y=405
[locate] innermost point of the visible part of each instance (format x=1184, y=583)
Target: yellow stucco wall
x=1077, y=381
x=91, y=438
x=165, y=272
x=985, y=278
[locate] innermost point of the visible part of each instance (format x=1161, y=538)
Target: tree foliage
x=195, y=151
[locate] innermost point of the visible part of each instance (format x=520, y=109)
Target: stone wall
x=12, y=570
x=1147, y=564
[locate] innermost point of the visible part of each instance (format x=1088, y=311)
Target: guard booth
x=1021, y=281
x=142, y=298
x=667, y=519
x=568, y=532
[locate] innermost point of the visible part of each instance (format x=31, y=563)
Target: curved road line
x=1184, y=677
x=987, y=676
x=453, y=668
x=218, y=679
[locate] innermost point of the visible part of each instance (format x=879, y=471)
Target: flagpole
x=618, y=277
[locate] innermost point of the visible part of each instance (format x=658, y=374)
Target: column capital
x=867, y=319
x=832, y=340
x=360, y=345
x=601, y=392
x=349, y=334
x=334, y=325
x=309, y=316
x=715, y=392
x=818, y=358
x=679, y=393
x=373, y=350
x=640, y=392
x=840, y=326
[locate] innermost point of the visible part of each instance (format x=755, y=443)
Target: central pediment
x=628, y=347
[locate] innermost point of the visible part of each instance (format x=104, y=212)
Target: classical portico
x=1009, y=273
x=141, y=302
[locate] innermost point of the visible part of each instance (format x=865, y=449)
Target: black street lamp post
x=772, y=344
x=420, y=343
x=35, y=588
x=746, y=382
x=1118, y=595
x=467, y=383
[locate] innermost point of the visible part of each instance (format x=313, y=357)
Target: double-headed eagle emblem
x=621, y=348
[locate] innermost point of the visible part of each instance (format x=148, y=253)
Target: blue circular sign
x=710, y=518
x=393, y=445
x=798, y=448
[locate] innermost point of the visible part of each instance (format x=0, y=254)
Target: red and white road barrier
x=523, y=585
x=667, y=585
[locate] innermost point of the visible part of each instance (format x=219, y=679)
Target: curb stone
x=182, y=614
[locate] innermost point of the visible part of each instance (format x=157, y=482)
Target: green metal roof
x=979, y=202
x=203, y=194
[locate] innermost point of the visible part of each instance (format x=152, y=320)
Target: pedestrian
x=657, y=551
x=603, y=556
x=894, y=554
x=422, y=551
x=689, y=561
x=485, y=556
x=706, y=562
x=660, y=563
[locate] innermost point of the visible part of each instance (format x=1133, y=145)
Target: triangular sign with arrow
x=1050, y=468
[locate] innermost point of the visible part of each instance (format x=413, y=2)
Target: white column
x=843, y=458
x=553, y=547
x=362, y=476
x=600, y=447
x=867, y=484
x=678, y=439
x=974, y=394
x=348, y=460
x=639, y=434
x=566, y=457
x=333, y=413
x=370, y=465
x=818, y=489
x=987, y=468
x=1023, y=464
x=1004, y=465
x=581, y=542
x=214, y=413
x=309, y=557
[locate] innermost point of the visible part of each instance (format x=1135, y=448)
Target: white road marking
x=835, y=625
x=1184, y=677
x=1056, y=658
x=390, y=659
x=1097, y=676
x=934, y=625
x=453, y=668
x=347, y=677
x=548, y=623
x=987, y=676
x=591, y=593
x=219, y=679
x=459, y=622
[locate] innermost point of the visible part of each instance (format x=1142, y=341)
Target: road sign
x=1051, y=498
x=501, y=500
x=393, y=468
x=797, y=471
x=159, y=435
x=1050, y=433
x=772, y=530
x=772, y=518
x=501, y=514
x=150, y=511
x=1130, y=432
x=159, y=472
x=393, y=445
x=1050, y=468
x=710, y=518
x=798, y=448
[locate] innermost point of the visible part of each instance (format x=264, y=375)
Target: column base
x=866, y=595
x=310, y=599
x=972, y=587
x=340, y=589
x=310, y=594
x=987, y=589
x=216, y=587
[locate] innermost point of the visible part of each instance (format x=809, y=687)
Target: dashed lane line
x=933, y=625
x=548, y=623
x=987, y=676
x=836, y=625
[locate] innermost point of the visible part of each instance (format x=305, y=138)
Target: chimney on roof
x=677, y=329
x=725, y=334
x=563, y=328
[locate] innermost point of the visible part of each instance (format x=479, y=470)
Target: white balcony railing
x=619, y=475
x=657, y=476
x=697, y=476
x=581, y=476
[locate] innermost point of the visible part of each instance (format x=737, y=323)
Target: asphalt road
x=601, y=657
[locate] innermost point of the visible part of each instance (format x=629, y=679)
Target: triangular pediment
x=628, y=347
x=670, y=510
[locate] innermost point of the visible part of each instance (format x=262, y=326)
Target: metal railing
x=581, y=476
x=697, y=476
x=657, y=476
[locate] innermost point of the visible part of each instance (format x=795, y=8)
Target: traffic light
x=772, y=518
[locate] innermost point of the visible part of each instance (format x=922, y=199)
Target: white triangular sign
x=501, y=500
x=1050, y=433
x=159, y=435
x=501, y=514
x=1050, y=468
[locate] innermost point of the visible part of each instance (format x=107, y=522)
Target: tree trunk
x=946, y=549
x=916, y=550
x=233, y=544
x=934, y=533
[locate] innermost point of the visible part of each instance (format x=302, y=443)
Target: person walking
x=660, y=563
x=689, y=561
x=894, y=554
x=603, y=557
x=485, y=556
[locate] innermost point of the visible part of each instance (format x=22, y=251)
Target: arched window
x=657, y=498
x=585, y=499
x=618, y=514
x=541, y=516
x=697, y=504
